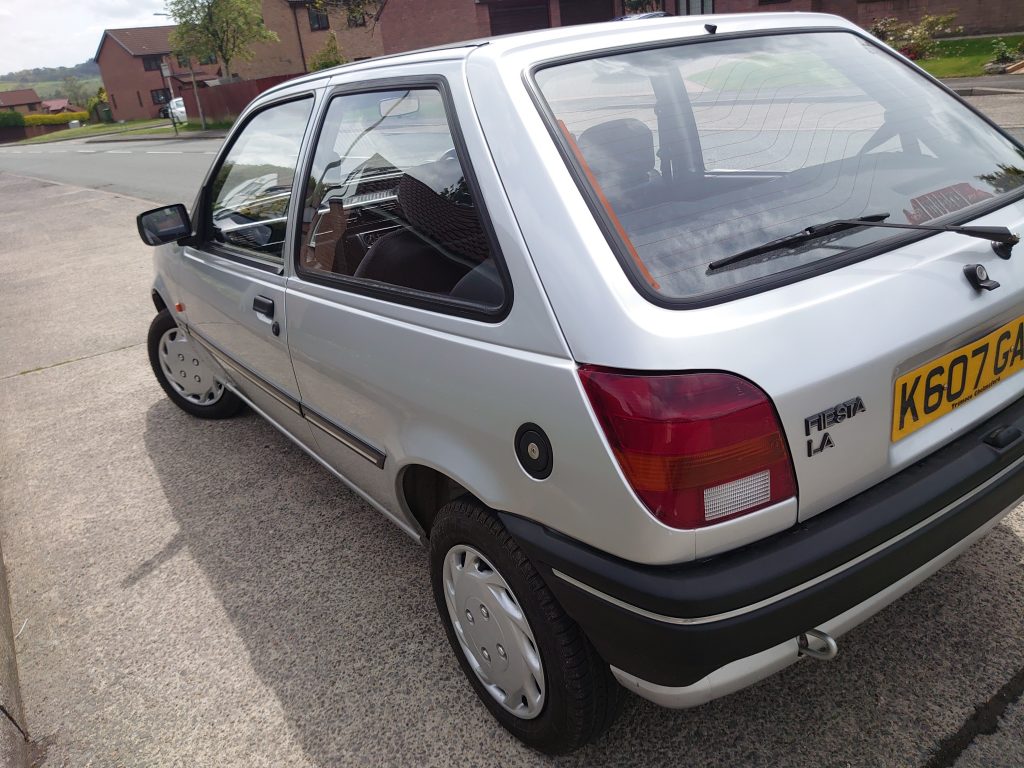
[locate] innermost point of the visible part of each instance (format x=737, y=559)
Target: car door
x=402, y=289
x=232, y=282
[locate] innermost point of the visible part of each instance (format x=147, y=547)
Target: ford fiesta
x=685, y=344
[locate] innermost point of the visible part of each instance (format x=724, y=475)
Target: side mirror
x=164, y=225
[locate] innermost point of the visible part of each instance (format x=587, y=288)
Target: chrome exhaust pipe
x=826, y=646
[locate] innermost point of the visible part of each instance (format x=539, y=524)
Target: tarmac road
x=164, y=171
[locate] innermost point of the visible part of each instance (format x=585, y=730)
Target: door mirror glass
x=406, y=104
x=164, y=225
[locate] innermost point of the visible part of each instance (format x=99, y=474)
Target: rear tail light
x=697, y=448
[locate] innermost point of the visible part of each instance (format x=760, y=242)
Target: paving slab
x=204, y=594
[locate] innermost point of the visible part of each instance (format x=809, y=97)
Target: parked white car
x=685, y=344
x=175, y=109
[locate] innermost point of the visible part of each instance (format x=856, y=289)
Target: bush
x=59, y=119
x=915, y=41
x=11, y=120
x=328, y=56
x=1001, y=53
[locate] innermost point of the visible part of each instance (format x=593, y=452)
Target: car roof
x=545, y=43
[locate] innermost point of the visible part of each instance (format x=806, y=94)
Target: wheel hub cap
x=185, y=370
x=493, y=632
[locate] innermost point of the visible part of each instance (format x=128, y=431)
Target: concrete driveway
x=204, y=594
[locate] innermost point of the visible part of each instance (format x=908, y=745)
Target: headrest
x=620, y=152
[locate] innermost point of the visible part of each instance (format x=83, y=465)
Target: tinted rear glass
x=697, y=152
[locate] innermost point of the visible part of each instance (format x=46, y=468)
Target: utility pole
x=165, y=70
x=195, y=92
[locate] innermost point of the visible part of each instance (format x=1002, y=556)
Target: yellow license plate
x=931, y=391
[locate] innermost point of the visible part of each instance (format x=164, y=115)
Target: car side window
x=388, y=203
x=249, y=196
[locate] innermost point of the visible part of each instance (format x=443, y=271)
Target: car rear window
x=695, y=152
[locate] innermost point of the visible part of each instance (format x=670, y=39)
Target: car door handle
x=263, y=305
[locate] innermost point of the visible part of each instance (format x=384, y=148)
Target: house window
x=318, y=19
x=151, y=63
x=696, y=7
x=184, y=62
x=211, y=59
x=160, y=95
x=32, y=107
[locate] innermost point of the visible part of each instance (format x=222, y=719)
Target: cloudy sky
x=55, y=33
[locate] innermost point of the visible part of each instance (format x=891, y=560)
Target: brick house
x=129, y=61
x=407, y=24
x=975, y=16
x=302, y=31
x=25, y=101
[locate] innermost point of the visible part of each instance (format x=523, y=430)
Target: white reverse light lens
x=730, y=498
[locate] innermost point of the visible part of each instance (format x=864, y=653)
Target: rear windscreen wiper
x=997, y=235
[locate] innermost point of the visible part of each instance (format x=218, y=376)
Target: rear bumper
x=684, y=634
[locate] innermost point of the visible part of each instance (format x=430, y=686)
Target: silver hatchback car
x=685, y=344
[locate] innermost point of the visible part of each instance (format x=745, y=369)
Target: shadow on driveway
x=333, y=605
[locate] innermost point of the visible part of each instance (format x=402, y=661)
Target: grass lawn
x=97, y=129
x=965, y=58
x=158, y=127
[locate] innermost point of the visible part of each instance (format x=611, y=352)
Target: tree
x=74, y=90
x=226, y=28
x=328, y=56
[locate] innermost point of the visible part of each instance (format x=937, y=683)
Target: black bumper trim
x=969, y=479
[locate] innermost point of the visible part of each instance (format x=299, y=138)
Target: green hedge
x=59, y=119
x=11, y=120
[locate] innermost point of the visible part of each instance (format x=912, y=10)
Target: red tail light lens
x=698, y=448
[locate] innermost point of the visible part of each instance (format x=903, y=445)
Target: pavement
x=997, y=82
x=205, y=594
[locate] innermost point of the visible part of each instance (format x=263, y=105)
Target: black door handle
x=263, y=305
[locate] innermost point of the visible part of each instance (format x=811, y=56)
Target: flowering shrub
x=915, y=41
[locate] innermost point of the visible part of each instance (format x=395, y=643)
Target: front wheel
x=184, y=375
x=530, y=664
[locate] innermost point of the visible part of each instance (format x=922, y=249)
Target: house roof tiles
x=17, y=98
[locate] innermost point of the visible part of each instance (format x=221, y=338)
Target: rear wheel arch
x=158, y=300
x=426, y=490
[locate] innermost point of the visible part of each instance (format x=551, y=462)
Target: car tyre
x=201, y=395
x=580, y=698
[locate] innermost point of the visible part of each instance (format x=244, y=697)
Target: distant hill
x=87, y=69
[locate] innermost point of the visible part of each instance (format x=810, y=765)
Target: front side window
x=253, y=186
x=388, y=202
x=697, y=152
